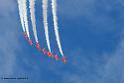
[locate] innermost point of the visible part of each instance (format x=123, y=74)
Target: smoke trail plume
x=32, y=12
x=25, y=17
x=45, y=5
x=21, y=14
x=54, y=5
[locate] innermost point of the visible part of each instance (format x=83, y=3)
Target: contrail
x=45, y=5
x=32, y=12
x=25, y=17
x=21, y=14
x=54, y=6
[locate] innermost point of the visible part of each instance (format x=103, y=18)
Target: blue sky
x=92, y=37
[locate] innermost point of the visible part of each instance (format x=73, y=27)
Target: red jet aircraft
x=26, y=37
x=64, y=59
x=38, y=46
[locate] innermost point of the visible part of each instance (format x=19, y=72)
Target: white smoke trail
x=21, y=14
x=24, y=3
x=32, y=12
x=54, y=6
x=45, y=5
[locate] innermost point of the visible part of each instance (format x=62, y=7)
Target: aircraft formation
x=22, y=6
x=43, y=50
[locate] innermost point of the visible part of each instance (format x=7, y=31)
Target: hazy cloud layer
x=81, y=67
x=7, y=7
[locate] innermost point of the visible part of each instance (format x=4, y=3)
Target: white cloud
x=8, y=37
x=7, y=7
x=114, y=69
x=9, y=45
x=87, y=8
x=75, y=8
